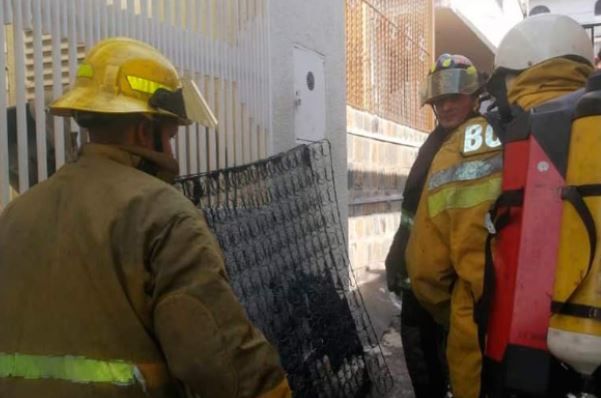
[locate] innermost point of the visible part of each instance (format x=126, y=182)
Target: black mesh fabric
x=279, y=225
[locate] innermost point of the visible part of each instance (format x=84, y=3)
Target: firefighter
x=111, y=284
x=423, y=338
x=445, y=251
x=541, y=66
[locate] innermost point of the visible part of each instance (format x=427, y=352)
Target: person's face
x=167, y=129
x=454, y=109
x=168, y=132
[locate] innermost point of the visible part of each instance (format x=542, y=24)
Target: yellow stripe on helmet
x=144, y=85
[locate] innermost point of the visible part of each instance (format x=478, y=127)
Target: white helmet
x=540, y=38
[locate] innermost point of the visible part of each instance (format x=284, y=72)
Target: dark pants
x=423, y=343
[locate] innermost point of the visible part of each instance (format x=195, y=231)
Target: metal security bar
x=279, y=225
x=594, y=31
x=389, y=47
x=221, y=44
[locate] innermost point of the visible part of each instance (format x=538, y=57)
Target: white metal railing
x=221, y=44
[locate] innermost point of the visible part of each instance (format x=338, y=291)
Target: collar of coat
x=164, y=167
x=548, y=80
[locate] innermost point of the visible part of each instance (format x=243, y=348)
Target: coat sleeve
x=209, y=343
x=429, y=263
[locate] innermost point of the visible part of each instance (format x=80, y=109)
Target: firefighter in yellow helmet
x=423, y=339
x=111, y=284
x=445, y=252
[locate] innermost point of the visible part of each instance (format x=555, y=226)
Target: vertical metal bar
x=188, y=54
x=220, y=44
x=21, y=100
x=117, y=18
x=247, y=125
x=124, y=27
x=86, y=19
x=228, y=95
x=95, y=18
x=26, y=10
x=265, y=67
x=176, y=44
x=189, y=34
x=154, y=23
x=237, y=114
x=4, y=173
x=130, y=12
x=64, y=17
x=81, y=22
x=202, y=68
x=7, y=12
x=57, y=86
x=144, y=21
x=73, y=53
x=255, y=82
x=212, y=142
x=101, y=9
x=46, y=18
x=110, y=19
x=40, y=114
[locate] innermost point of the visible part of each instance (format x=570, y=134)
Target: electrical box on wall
x=309, y=95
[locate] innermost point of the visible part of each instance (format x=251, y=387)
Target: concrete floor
x=393, y=352
x=384, y=312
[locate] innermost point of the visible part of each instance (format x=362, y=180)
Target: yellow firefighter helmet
x=121, y=75
x=450, y=74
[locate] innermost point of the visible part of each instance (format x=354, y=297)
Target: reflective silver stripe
x=467, y=171
x=406, y=219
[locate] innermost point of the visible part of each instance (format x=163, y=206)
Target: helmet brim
x=448, y=82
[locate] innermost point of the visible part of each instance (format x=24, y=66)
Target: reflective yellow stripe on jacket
x=462, y=196
x=69, y=368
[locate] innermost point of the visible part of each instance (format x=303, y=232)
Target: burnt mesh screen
x=278, y=223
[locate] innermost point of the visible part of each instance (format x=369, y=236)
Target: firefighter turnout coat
x=112, y=285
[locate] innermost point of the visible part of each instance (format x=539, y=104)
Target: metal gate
x=221, y=44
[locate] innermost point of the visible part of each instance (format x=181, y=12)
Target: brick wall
x=380, y=154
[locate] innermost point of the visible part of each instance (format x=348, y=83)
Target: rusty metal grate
x=389, y=51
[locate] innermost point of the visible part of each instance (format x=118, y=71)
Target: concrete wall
x=316, y=25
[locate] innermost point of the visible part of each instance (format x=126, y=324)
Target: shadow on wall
x=375, y=192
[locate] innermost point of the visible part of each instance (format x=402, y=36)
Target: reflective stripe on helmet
x=85, y=70
x=144, y=85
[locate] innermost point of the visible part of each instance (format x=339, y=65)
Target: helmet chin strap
x=497, y=86
x=146, y=165
x=156, y=136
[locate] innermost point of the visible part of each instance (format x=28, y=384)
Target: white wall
x=580, y=10
x=488, y=19
x=316, y=25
